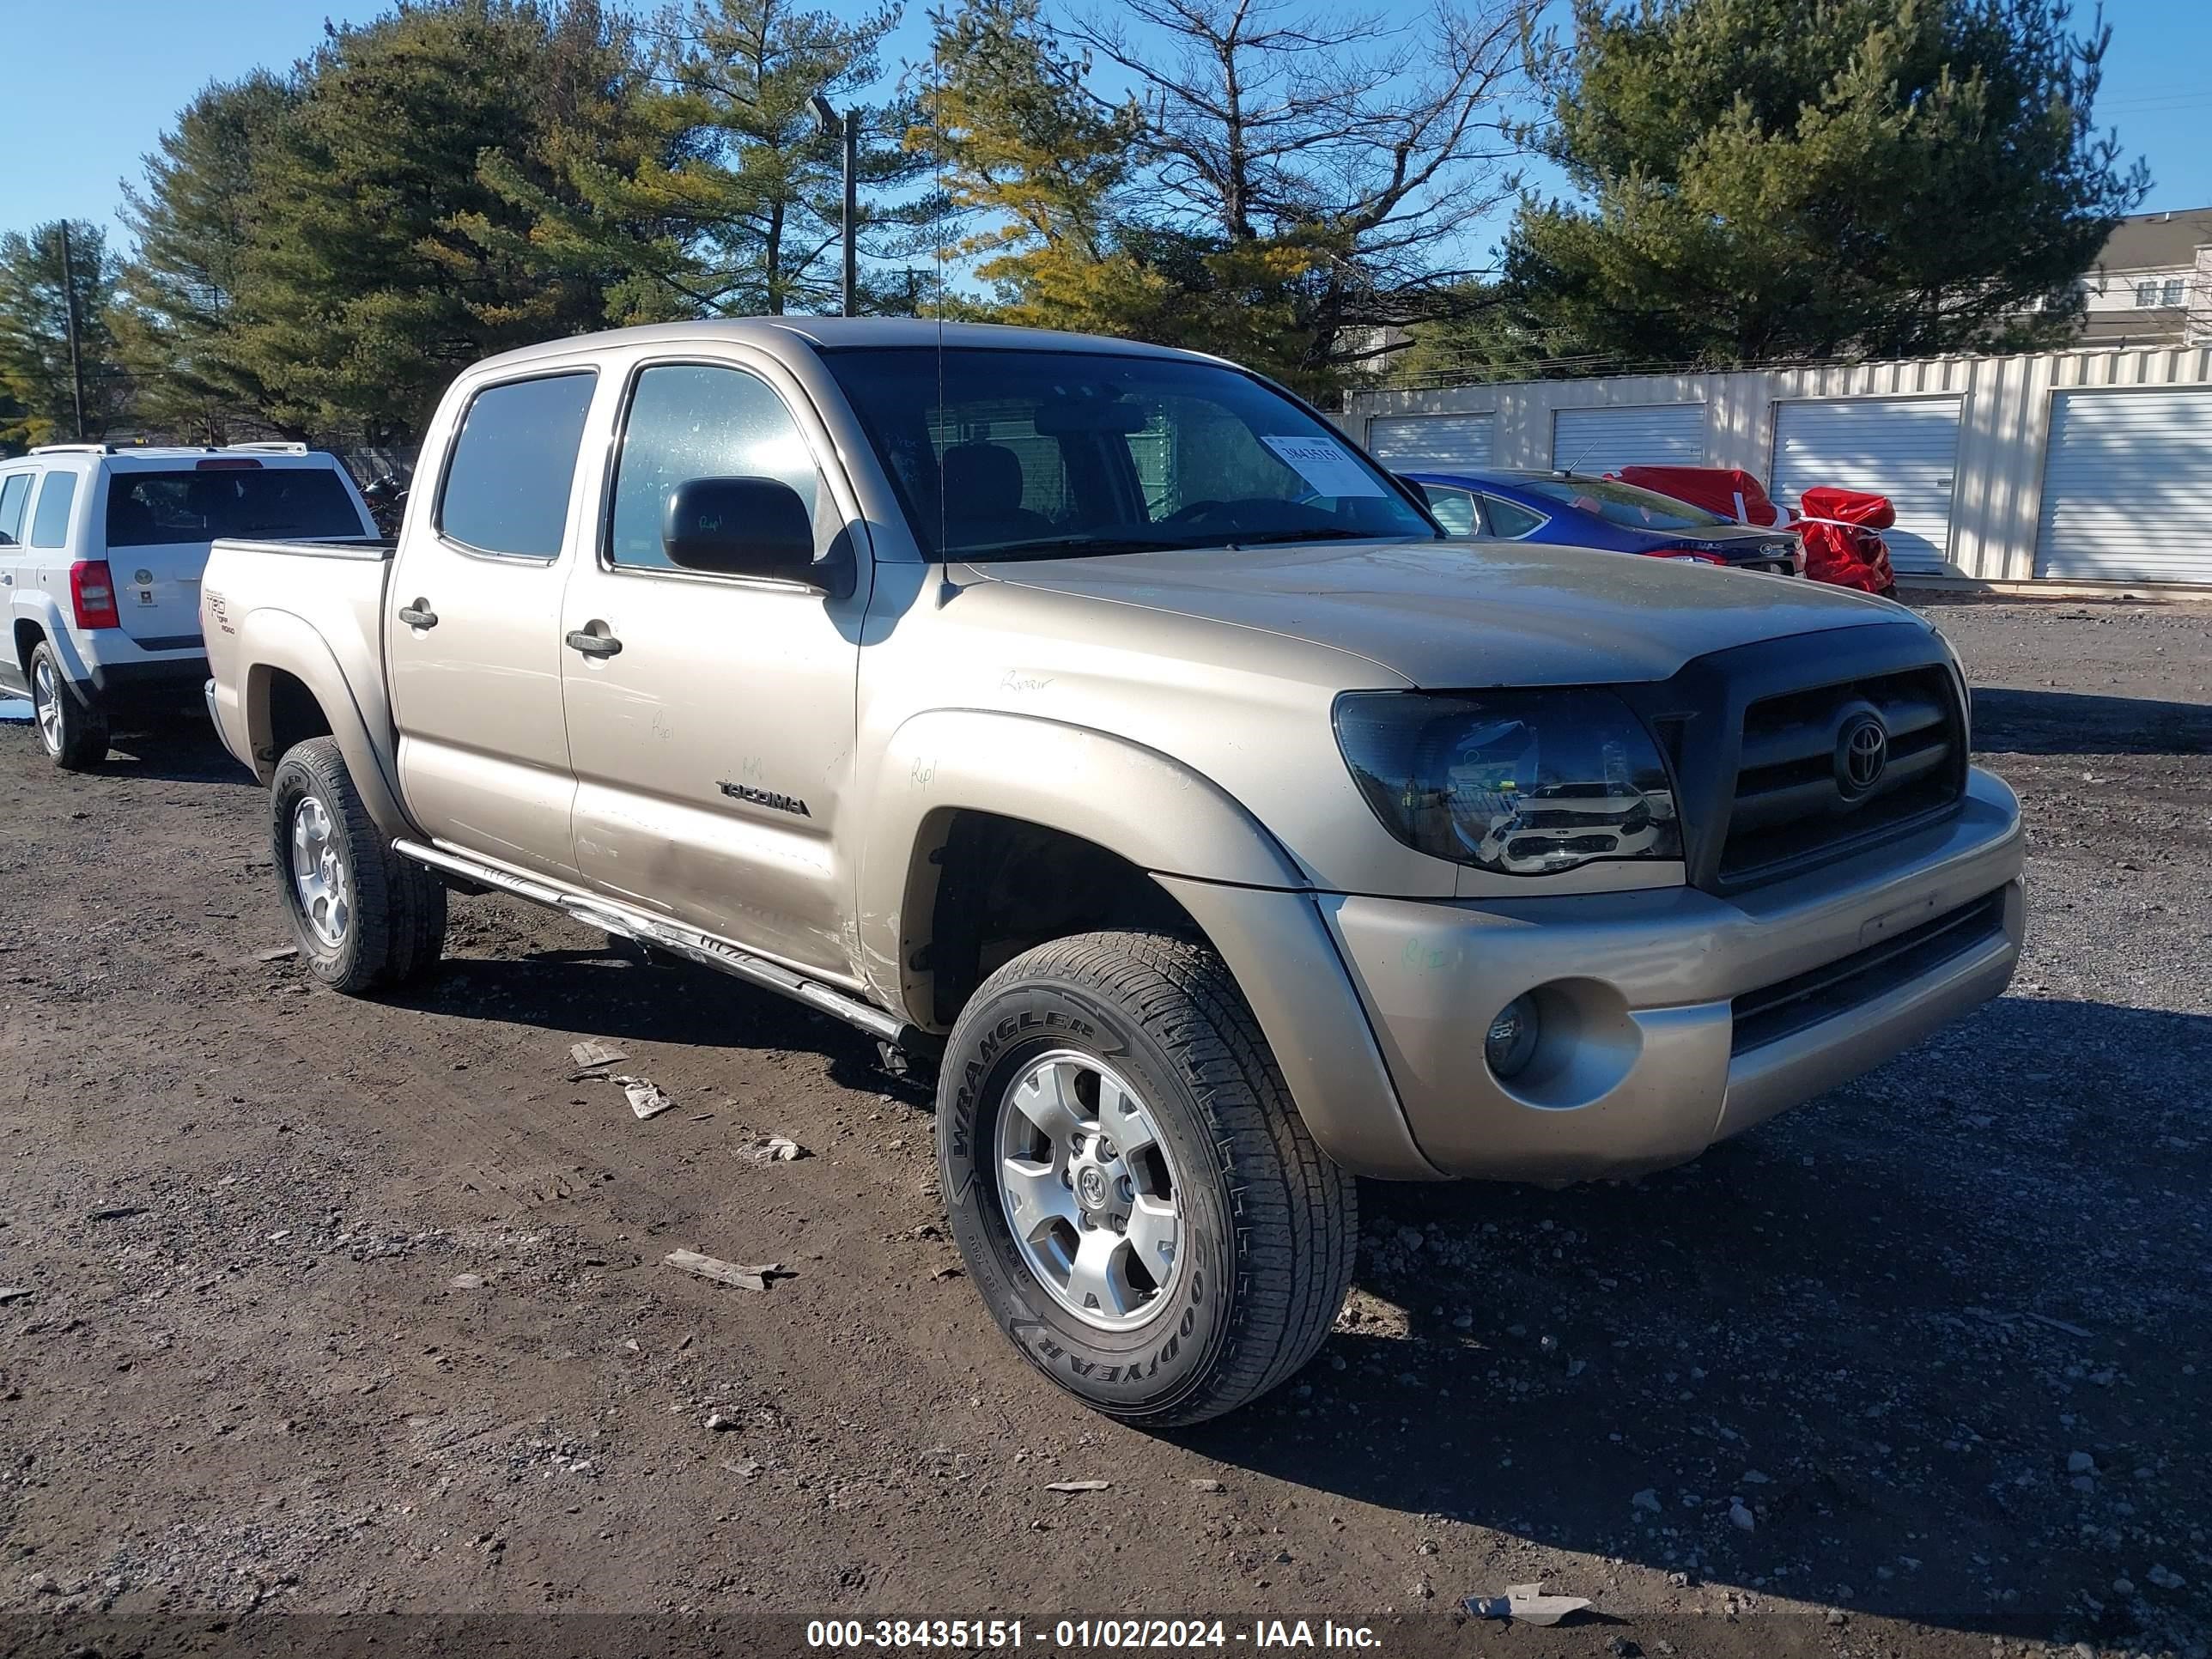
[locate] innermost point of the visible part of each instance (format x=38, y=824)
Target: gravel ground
x=319, y=1307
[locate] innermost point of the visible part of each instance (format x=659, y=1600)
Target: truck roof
x=835, y=333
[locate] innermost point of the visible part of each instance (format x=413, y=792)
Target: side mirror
x=739, y=527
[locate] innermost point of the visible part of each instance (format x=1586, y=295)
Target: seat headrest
x=981, y=481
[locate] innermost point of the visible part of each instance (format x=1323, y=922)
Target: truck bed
x=333, y=588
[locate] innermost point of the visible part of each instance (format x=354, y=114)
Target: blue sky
x=92, y=89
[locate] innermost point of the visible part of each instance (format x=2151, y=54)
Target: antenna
x=1579, y=459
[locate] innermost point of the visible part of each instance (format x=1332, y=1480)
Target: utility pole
x=69, y=309
x=847, y=127
x=852, y=212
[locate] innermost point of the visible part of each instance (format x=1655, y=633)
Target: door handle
x=594, y=645
x=418, y=614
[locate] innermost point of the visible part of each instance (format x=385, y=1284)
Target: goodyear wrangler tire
x=1131, y=1187
x=365, y=918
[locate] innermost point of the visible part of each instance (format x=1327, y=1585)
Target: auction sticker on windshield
x=1325, y=465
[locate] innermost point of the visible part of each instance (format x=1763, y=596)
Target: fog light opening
x=1513, y=1038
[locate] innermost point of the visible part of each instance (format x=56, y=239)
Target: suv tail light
x=92, y=594
x=1681, y=555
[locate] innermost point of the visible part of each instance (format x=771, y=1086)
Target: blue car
x=1570, y=510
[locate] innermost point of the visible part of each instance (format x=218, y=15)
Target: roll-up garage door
x=2125, y=478
x=1608, y=437
x=1906, y=448
x=1430, y=443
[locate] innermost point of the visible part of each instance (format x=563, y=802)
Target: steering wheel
x=1196, y=515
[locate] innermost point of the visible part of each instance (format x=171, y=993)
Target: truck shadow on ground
x=2011, y=722
x=1855, y=1359
x=609, y=991
x=184, y=751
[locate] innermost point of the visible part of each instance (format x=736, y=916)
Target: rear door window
x=49, y=527
x=1510, y=518
x=1454, y=509
x=507, y=485
x=157, y=509
x=15, y=495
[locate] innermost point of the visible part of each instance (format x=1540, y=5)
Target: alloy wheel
x=318, y=871
x=46, y=704
x=1090, y=1192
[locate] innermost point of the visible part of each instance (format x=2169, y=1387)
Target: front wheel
x=1129, y=1183
x=365, y=918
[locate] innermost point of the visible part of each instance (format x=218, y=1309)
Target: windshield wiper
x=1326, y=533
x=1046, y=547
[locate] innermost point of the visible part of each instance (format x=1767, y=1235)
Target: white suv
x=100, y=555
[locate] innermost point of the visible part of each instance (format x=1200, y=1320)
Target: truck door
x=473, y=633
x=711, y=717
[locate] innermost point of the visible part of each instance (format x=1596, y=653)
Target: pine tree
x=1772, y=178
x=391, y=252
x=178, y=324
x=38, y=388
x=734, y=205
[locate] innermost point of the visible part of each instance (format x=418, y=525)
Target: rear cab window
x=291, y=503
x=513, y=466
x=50, y=524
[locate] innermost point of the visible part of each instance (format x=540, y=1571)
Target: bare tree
x=1351, y=154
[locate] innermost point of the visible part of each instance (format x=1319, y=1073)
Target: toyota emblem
x=1861, y=753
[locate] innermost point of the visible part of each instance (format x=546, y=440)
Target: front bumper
x=1648, y=1058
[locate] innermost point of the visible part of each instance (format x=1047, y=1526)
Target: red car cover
x=1722, y=489
x=1841, y=544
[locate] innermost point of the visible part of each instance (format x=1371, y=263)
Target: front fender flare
x=269, y=641
x=1240, y=887
x=1132, y=801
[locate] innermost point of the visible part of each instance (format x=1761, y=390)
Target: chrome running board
x=659, y=933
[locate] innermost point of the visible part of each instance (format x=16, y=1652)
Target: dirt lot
x=330, y=1307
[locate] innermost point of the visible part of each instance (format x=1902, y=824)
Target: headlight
x=1523, y=783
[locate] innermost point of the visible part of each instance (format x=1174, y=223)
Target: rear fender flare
x=271, y=640
x=39, y=608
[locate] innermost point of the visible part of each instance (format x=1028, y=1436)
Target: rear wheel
x=73, y=732
x=365, y=918
x=1136, y=1198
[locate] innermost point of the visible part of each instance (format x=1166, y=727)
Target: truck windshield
x=157, y=509
x=1006, y=453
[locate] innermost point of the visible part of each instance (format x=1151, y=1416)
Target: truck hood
x=1467, y=615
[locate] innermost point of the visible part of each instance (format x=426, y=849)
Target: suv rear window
x=156, y=509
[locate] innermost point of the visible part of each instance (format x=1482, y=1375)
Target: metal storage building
x=2081, y=466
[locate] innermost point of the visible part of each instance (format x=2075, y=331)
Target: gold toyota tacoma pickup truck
x=1094, y=723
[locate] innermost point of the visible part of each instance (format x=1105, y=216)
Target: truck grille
x=1788, y=1006
x=1822, y=770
